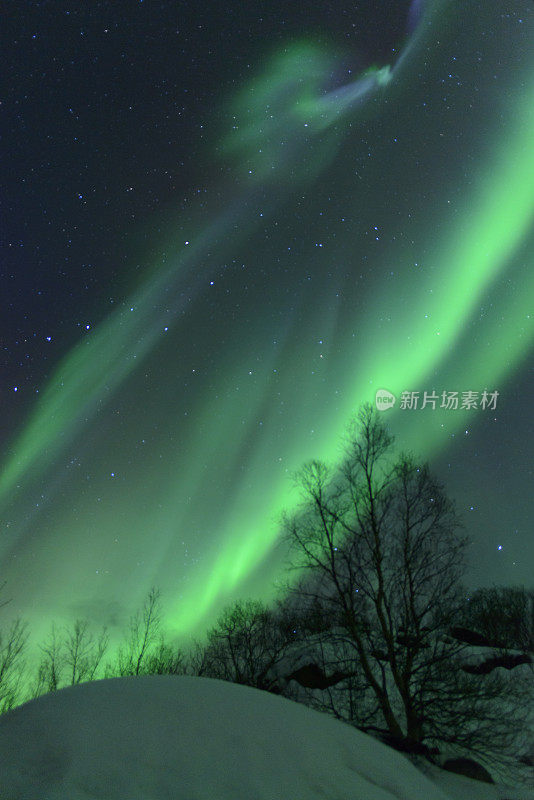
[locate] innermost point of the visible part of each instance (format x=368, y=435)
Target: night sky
x=224, y=227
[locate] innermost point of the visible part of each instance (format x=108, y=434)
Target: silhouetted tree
x=378, y=544
x=247, y=645
x=143, y=634
x=165, y=660
x=503, y=616
x=13, y=641
x=69, y=656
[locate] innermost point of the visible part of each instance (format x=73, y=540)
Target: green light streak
x=237, y=455
x=494, y=222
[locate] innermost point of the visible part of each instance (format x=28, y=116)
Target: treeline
x=376, y=628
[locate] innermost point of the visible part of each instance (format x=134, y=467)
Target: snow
x=459, y=788
x=159, y=737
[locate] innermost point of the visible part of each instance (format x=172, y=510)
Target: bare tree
x=51, y=665
x=142, y=637
x=247, y=645
x=165, y=660
x=13, y=641
x=379, y=546
x=12, y=645
x=503, y=616
x=84, y=652
x=69, y=656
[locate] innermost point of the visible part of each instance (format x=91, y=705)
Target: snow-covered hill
x=183, y=738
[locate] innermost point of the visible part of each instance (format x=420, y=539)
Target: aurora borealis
x=228, y=277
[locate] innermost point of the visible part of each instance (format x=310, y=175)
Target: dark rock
x=469, y=768
x=408, y=746
x=312, y=677
x=506, y=661
x=468, y=636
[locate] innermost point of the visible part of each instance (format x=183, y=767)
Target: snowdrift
x=182, y=738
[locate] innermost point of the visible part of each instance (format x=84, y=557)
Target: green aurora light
x=206, y=491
